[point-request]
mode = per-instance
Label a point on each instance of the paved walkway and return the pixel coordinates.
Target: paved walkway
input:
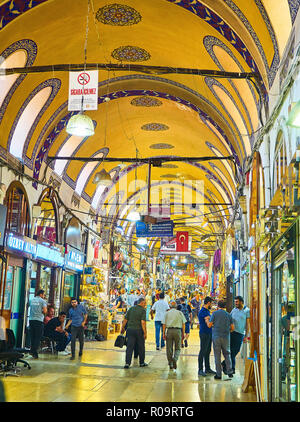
(99, 377)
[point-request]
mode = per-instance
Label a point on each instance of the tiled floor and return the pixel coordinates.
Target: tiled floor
(99, 377)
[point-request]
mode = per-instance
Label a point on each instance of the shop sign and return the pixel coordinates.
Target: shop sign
(170, 246)
(74, 259)
(33, 250)
(164, 229)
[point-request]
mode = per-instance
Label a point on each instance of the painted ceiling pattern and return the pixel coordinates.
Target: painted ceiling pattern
(190, 115)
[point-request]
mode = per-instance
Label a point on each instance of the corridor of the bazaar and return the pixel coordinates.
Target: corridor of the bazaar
(149, 206)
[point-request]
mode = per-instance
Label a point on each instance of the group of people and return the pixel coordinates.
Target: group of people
(174, 317)
(43, 323)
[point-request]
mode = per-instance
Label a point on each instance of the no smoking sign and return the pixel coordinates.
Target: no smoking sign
(83, 78)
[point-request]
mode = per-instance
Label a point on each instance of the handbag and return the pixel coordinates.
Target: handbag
(120, 341)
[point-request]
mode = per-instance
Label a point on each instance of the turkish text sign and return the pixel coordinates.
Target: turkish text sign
(83, 89)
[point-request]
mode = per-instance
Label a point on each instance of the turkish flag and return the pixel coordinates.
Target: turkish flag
(182, 241)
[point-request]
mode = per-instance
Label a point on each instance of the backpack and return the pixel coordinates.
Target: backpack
(185, 311)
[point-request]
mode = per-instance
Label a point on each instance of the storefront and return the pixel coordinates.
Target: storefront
(282, 308)
(16, 220)
(23, 282)
(73, 269)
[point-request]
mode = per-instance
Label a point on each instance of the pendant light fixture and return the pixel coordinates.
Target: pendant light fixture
(102, 178)
(80, 124)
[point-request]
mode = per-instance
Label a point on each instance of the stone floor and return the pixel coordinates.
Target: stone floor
(99, 377)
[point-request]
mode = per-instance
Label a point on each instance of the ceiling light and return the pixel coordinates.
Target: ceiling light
(142, 241)
(294, 115)
(134, 216)
(199, 252)
(102, 178)
(80, 125)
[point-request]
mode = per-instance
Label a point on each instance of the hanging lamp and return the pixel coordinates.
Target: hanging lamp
(80, 125)
(102, 178)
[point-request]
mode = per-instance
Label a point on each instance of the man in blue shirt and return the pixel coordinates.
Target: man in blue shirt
(78, 317)
(205, 334)
(222, 324)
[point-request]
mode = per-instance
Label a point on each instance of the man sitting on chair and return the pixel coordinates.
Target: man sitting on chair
(55, 331)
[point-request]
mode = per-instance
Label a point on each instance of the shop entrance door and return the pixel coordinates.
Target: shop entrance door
(17, 308)
(283, 368)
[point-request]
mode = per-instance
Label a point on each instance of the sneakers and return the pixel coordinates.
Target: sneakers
(63, 353)
(210, 371)
(202, 373)
(216, 377)
(185, 343)
(126, 366)
(143, 364)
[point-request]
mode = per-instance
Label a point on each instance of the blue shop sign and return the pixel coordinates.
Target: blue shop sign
(33, 250)
(164, 229)
(74, 259)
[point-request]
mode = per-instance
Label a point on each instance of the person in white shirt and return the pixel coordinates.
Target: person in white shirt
(174, 321)
(167, 297)
(160, 308)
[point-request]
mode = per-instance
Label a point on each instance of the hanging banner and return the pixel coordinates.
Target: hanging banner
(169, 247)
(83, 84)
(182, 240)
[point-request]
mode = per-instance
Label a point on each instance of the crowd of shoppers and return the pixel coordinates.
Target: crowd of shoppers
(174, 314)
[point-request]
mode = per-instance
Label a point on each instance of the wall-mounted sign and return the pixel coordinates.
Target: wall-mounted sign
(74, 259)
(164, 229)
(34, 250)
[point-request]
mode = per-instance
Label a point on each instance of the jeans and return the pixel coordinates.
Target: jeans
(77, 332)
(205, 349)
(135, 337)
(61, 340)
(173, 342)
(159, 330)
(236, 340)
(221, 344)
(36, 333)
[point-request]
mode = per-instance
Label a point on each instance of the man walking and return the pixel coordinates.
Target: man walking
(136, 332)
(241, 317)
(205, 334)
(195, 305)
(38, 310)
(78, 318)
(222, 324)
(160, 308)
(187, 312)
(174, 321)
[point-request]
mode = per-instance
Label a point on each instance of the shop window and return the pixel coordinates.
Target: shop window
(45, 225)
(17, 219)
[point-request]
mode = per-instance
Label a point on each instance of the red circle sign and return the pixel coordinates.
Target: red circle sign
(83, 78)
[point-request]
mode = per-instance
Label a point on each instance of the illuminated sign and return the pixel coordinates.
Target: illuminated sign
(74, 259)
(34, 250)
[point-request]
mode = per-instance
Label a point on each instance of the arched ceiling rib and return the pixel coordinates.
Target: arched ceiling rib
(201, 116)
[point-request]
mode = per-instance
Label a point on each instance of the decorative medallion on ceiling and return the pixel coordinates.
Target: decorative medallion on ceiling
(146, 101)
(130, 53)
(161, 146)
(118, 15)
(155, 126)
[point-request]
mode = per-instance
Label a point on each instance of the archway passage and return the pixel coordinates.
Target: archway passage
(147, 116)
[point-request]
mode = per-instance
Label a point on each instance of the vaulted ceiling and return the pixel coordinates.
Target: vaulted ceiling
(148, 115)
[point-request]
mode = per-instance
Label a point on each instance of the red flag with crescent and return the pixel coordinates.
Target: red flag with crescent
(182, 241)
